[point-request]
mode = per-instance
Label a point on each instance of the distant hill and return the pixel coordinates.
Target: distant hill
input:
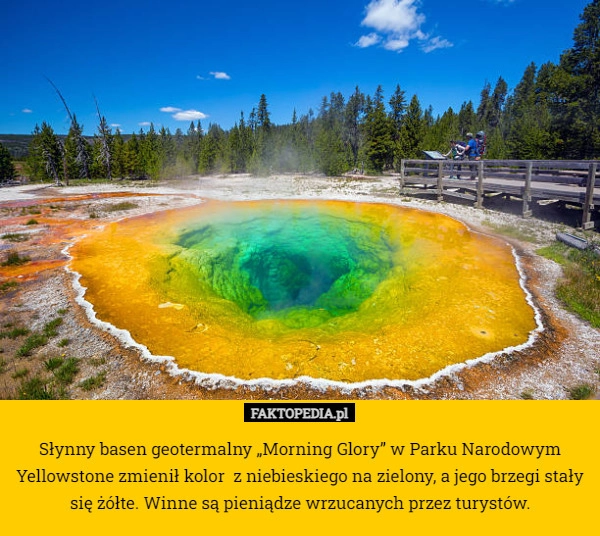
(17, 144)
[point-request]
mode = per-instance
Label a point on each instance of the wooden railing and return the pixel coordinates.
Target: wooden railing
(529, 180)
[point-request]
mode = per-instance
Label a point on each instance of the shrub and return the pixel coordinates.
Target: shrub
(93, 382)
(67, 371)
(15, 237)
(579, 289)
(35, 340)
(14, 259)
(50, 329)
(14, 333)
(36, 389)
(581, 392)
(53, 363)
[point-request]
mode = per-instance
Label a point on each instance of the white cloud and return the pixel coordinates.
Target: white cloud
(435, 43)
(183, 115)
(396, 24)
(145, 124)
(198, 77)
(396, 44)
(399, 17)
(115, 125)
(189, 115)
(220, 75)
(368, 40)
(27, 111)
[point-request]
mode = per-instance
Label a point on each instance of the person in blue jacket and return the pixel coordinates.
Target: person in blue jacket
(472, 152)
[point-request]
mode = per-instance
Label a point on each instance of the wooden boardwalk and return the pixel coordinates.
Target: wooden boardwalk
(530, 181)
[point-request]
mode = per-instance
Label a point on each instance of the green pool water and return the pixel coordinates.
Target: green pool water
(299, 267)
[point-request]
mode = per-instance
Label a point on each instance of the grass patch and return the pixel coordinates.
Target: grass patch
(512, 231)
(16, 237)
(527, 394)
(581, 392)
(93, 382)
(2, 366)
(97, 361)
(62, 312)
(63, 342)
(67, 370)
(31, 210)
(21, 373)
(14, 333)
(123, 205)
(36, 389)
(8, 285)
(579, 288)
(53, 363)
(14, 259)
(51, 328)
(35, 340)
(32, 221)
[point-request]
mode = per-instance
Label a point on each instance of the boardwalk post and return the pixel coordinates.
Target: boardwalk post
(479, 202)
(527, 190)
(588, 205)
(402, 173)
(440, 184)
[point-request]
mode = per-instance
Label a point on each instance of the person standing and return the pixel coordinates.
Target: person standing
(472, 152)
(456, 152)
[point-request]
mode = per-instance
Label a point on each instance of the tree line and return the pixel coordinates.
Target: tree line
(552, 113)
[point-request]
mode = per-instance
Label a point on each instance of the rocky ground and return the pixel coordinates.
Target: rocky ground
(39, 223)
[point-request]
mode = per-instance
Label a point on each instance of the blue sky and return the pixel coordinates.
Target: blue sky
(171, 62)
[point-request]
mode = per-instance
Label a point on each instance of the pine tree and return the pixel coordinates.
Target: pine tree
(498, 100)
(151, 155)
(77, 153)
(191, 148)
(104, 140)
(263, 155)
(35, 161)
(263, 116)
(467, 120)
(51, 153)
(353, 120)
(397, 110)
(577, 88)
(484, 110)
(211, 150)
(529, 135)
(167, 147)
(118, 155)
(409, 142)
(378, 139)
(7, 167)
(132, 163)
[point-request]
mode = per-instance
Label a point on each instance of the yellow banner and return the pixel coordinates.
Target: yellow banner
(148, 467)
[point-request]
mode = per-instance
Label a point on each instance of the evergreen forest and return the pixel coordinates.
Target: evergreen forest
(552, 113)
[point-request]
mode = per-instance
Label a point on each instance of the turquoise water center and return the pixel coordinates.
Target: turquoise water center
(342, 291)
(300, 267)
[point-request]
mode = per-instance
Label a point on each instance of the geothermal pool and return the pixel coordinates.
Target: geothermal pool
(327, 290)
